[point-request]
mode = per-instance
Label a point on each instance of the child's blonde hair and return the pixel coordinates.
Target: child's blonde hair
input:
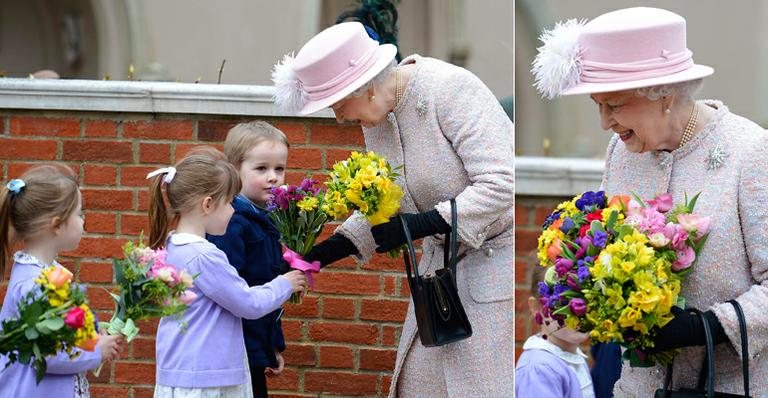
(49, 191)
(203, 172)
(244, 136)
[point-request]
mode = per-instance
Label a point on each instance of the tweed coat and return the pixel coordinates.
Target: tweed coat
(725, 161)
(455, 141)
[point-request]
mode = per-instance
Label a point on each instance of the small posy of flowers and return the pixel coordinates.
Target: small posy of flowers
(53, 317)
(363, 182)
(297, 213)
(148, 287)
(615, 267)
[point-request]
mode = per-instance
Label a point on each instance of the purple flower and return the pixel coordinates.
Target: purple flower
(577, 306)
(551, 218)
(582, 272)
(562, 266)
(543, 289)
(538, 318)
(572, 281)
(567, 225)
(280, 197)
(307, 184)
(584, 242)
(599, 239)
(591, 200)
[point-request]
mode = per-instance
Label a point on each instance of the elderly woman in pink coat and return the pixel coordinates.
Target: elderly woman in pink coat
(636, 67)
(455, 141)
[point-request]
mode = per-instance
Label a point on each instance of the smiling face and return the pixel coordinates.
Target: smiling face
(640, 123)
(262, 169)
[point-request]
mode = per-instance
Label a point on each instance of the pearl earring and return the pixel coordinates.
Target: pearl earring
(667, 111)
(371, 98)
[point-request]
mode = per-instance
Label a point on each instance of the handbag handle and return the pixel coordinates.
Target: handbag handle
(450, 244)
(710, 357)
(407, 255)
(449, 260)
(744, 344)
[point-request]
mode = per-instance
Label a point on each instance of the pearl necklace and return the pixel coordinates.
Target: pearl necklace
(690, 126)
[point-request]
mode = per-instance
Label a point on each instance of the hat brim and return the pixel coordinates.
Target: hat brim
(385, 53)
(692, 73)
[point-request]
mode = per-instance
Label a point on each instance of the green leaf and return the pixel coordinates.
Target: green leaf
(692, 204)
(31, 333)
(640, 201)
(51, 323)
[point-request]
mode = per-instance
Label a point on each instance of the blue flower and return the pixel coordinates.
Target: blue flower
(590, 200)
(600, 238)
(568, 224)
(551, 218)
(583, 273)
(543, 289)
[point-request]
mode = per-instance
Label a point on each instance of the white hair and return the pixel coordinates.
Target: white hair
(683, 89)
(377, 80)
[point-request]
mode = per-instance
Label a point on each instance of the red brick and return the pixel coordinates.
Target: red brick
(104, 376)
(135, 176)
(541, 213)
(335, 155)
(377, 359)
(107, 151)
(336, 357)
(291, 329)
(390, 335)
(521, 215)
(526, 241)
(107, 199)
(16, 169)
(383, 310)
(213, 130)
(98, 298)
(183, 149)
(46, 127)
(287, 380)
(383, 262)
(159, 129)
(521, 299)
(340, 383)
(20, 149)
(135, 373)
(522, 327)
(300, 354)
(155, 153)
(296, 132)
(386, 381)
(98, 248)
(390, 285)
(142, 348)
(96, 222)
(337, 135)
(521, 271)
(301, 158)
(307, 308)
(99, 174)
(143, 202)
(100, 128)
(148, 327)
(95, 272)
(343, 332)
(106, 391)
(338, 308)
(347, 283)
(133, 224)
(4, 287)
(143, 392)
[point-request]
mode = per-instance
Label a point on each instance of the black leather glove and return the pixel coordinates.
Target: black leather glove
(686, 329)
(333, 249)
(390, 235)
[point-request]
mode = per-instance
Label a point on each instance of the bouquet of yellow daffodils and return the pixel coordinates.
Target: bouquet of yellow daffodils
(53, 317)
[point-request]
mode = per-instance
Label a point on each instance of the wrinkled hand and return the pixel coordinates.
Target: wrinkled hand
(333, 249)
(686, 329)
(280, 366)
(390, 235)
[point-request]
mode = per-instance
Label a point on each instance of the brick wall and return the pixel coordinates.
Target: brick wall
(341, 340)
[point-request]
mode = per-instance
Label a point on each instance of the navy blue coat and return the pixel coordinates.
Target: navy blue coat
(252, 245)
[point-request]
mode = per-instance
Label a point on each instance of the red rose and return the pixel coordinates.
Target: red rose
(75, 318)
(596, 215)
(583, 230)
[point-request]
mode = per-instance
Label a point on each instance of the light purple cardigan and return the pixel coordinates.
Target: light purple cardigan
(211, 351)
(18, 380)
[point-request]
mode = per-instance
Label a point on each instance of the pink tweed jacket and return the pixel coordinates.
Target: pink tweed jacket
(455, 141)
(726, 163)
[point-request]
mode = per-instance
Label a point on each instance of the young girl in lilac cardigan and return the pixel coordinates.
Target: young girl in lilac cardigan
(199, 191)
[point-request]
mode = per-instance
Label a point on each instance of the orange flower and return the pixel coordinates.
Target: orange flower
(89, 344)
(555, 249)
(59, 276)
(557, 224)
(619, 200)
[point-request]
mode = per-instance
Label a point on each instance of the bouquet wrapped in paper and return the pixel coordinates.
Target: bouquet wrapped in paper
(366, 183)
(615, 267)
(297, 214)
(53, 317)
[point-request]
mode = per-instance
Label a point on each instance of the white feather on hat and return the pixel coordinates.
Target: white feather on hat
(289, 94)
(557, 66)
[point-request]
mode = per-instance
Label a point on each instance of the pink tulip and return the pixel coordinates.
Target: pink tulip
(694, 223)
(662, 203)
(75, 318)
(685, 258)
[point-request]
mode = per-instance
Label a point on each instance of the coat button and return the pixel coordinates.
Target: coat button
(488, 252)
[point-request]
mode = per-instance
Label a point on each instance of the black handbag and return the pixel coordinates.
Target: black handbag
(706, 385)
(440, 317)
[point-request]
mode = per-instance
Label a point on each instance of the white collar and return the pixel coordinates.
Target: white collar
(183, 238)
(536, 342)
(23, 257)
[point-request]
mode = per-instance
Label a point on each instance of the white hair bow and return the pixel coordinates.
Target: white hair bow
(170, 172)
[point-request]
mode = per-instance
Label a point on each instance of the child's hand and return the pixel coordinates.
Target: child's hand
(280, 366)
(298, 280)
(110, 346)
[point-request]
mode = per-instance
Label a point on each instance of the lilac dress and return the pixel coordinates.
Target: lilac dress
(545, 370)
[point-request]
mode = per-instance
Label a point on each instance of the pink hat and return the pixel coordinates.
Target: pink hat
(621, 50)
(332, 65)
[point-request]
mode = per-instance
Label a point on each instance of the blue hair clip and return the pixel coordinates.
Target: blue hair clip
(372, 33)
(15, 186)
